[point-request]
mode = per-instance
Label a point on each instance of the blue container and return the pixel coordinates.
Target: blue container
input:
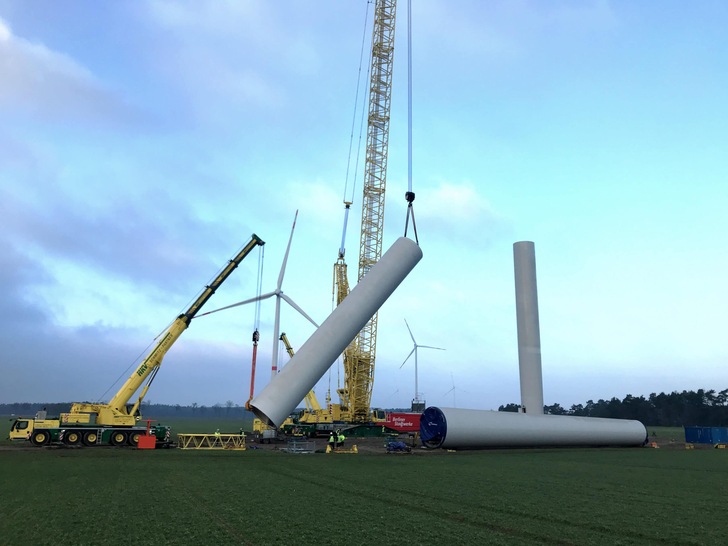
(706, 435)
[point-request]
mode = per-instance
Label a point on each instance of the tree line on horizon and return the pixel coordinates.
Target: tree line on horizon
(676, 409)
(228, 410)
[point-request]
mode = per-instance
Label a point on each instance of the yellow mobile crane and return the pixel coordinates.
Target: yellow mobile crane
(359, 357)
(113, 423)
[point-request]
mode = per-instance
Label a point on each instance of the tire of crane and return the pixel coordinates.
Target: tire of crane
(90, 438)
(72, 438)
(40, 437)
(133, 439)
(118, 438)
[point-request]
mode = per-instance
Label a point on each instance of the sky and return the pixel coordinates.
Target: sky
(142, 143)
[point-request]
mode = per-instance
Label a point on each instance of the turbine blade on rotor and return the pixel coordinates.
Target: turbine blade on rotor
(285, 256)
(410, 332)
(293, 304)
(409, 355)
(430, 347)
(244, 302)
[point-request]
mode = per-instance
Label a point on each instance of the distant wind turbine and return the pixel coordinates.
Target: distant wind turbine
(453, 391)
(414, 351)
(278, 293)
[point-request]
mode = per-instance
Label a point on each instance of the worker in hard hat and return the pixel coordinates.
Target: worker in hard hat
(340, 437)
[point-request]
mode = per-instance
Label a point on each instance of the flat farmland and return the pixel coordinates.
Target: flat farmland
(556, 496)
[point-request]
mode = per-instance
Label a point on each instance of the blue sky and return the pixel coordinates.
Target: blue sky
(143, 142)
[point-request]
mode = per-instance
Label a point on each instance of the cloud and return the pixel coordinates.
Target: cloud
(50, 86)
(458, 211)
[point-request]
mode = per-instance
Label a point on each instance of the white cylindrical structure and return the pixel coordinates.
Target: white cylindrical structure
(286, 390)
(529, 336)
(453, 428)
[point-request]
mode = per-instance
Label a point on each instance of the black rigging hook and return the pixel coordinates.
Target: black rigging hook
(410, 197)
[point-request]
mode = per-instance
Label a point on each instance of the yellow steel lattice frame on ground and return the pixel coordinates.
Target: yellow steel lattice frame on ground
(330, 449)
(211, 441)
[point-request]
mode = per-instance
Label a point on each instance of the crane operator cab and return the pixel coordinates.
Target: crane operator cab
(21, 429)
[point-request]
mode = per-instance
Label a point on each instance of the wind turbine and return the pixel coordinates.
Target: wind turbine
(416, 402)
(453, 391)
(278, 293)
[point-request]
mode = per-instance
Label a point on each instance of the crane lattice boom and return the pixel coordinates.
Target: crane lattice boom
(359, 367)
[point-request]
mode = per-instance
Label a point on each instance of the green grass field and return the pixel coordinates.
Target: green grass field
(560, 496)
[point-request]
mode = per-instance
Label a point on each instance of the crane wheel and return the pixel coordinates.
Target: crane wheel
(133, 439)
(40, 437)
(90, 438)
(72, 438)
(118, 438)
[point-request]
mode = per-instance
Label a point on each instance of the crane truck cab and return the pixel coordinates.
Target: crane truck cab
(21, 429)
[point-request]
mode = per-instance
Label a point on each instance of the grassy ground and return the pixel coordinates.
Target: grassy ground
(562, 496)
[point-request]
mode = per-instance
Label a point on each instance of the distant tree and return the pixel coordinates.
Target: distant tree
(510, 407)
(194, 408)
(228, 405)
(554, 409)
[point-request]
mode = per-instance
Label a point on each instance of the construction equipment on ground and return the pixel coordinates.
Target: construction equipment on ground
(309, 422)
(313, 420)
(216, 441)
(114, 423)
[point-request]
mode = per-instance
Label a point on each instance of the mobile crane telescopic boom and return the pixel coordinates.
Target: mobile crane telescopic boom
(116, 412)
(113, 423)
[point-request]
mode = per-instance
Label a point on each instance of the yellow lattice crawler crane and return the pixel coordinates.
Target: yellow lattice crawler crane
(114, 422)
(359, 357)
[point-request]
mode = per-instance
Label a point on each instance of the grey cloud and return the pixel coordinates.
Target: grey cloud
(45, 85)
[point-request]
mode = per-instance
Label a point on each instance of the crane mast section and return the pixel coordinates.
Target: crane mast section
(380, 98)
(360, 375)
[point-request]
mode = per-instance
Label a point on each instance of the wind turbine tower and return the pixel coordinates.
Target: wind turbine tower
(418, 404)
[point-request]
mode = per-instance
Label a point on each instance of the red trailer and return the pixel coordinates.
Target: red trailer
(403, 422)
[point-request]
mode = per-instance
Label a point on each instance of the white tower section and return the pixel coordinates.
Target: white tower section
(529, 336)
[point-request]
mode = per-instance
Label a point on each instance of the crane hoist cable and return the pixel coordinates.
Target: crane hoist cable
(354, 116)
(349, 196)
(145, 351)
(256, 326)
(409, 195)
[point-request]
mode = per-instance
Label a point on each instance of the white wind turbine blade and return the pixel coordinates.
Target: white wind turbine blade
(285, 257)
(409, 355)
(293, 304)
(410, 332)
(430, 347)
(279, 294)
(244, 302)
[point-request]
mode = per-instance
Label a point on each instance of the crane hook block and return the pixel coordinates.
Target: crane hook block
(256, 336)
(409, 196)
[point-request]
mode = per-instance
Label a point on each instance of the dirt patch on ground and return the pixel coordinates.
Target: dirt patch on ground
(375, 445)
